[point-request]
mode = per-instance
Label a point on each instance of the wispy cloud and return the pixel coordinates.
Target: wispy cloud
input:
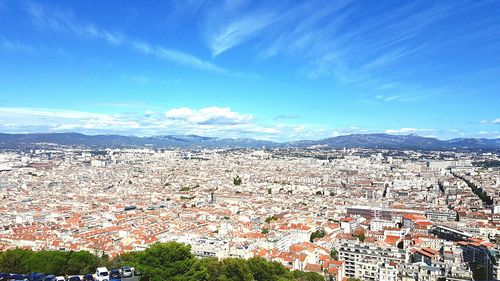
(16, 46)
(176, 57)
(401, 98)
(237, 31)
(382, 48)
(494, 121)
(65, 22)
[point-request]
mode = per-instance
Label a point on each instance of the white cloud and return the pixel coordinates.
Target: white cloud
(179, 113)
(348, 131)
(42, 119)
(408, 131)
(209, 121)
(149, 113)
(209, 116)
(494, 121)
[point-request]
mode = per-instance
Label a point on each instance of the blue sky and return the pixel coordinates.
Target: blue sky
(276, 70)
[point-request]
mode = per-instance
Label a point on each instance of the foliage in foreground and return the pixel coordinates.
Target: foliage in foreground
(174, 261)
(161, 261)
(53, 262)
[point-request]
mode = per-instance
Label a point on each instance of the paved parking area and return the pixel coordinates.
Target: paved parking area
(133, 278)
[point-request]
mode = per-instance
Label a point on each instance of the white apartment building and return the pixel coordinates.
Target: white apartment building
(355, 256)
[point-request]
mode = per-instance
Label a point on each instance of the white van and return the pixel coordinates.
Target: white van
(102, 274)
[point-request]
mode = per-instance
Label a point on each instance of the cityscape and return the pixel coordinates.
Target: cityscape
(374, 214)
(241, 140)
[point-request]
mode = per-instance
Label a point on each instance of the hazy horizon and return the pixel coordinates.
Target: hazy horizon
(257, 139)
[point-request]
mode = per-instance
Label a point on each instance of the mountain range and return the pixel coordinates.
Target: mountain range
(379, 140)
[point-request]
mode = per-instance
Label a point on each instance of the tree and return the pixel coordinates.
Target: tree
(262, 270)
(361, 237)
(169, 260)
(269, 191)
(50, 262)
(271, 218)
(174, 261)
(212, 268)
(161, 261)
(265, 231)
(320, 233)
(303, 276)
(235, 270)
(237, 180)
(334, 254)
(81, 262)
(15, 261)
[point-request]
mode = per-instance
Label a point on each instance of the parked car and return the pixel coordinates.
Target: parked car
(126, 271)
(114, 275)
(88, 277)
(60, 278)
(74, 278)
(136, 273)
(4, 276)
(34, 276)
(50, 278)
(17, 277)
(102, 274)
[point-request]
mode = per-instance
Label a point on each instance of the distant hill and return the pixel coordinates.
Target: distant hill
(23, 141)
(402, 141)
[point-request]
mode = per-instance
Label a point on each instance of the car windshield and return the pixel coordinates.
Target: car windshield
(103, 274)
